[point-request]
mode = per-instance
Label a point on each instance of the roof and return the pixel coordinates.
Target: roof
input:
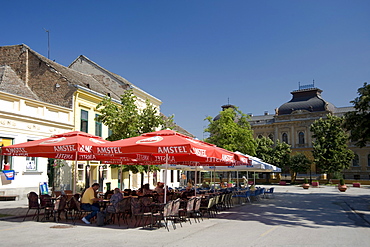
(117, 84)
(11, 83)
(306, 100)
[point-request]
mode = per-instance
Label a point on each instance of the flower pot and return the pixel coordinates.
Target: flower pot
(342, 188)
(306, 186)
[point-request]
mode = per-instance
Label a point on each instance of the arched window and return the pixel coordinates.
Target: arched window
(271, 136)
(284, 137)
(356, 160)
(301, 138)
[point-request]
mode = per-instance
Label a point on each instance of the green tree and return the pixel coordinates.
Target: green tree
(281, 154)
(330, 150)
(298, 163)
(358, 121)
(125, 120)
(231, 131)
(265, 148)
(277, 154)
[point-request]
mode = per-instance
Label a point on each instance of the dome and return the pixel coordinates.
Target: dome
(223, 108)
(306, 100)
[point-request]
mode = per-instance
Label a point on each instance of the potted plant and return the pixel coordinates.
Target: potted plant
(305, 185)
(342, 186)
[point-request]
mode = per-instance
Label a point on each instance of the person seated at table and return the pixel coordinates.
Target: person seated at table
(190, 183)
(187, 193)
(89, 202)
(146, 190)
(108, 194)
(127, 192)
(160, 188)
(205, 185)
(116, 197)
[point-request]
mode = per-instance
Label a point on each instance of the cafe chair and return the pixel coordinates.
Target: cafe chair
(33, 203)
(122, 210)
(60, 207)
(269, 193)
(79, 213)
(209, 209)
(140, 209)
(47, 204)
(174, 215)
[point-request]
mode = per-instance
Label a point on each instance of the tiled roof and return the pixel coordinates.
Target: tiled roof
(77, 78)
(11, 83)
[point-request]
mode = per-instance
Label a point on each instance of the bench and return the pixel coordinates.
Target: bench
(8, 197)
(356, 185)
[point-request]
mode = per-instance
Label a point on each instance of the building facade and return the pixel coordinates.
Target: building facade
(39, 98)
(291, 124)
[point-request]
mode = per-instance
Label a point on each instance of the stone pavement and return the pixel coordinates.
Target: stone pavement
(357, 200)
(294, 217)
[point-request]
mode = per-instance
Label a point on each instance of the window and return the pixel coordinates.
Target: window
(356, 160)
(103, 171)
(84, 120)
(80, 172)
(5, 159)
(271, 136)
(172, 178)
(31, 163)
(110, 132)
(285, 137)
(368, 160)
(301, 138)
(98, 127)
(356, 177)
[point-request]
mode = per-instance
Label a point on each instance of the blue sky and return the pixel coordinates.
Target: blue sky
(196, 55)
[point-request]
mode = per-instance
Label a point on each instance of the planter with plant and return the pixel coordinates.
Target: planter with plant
(305, 185)
(342, 186)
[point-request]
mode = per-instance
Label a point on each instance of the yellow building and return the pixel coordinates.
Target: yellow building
(49, 98)
(291, 124)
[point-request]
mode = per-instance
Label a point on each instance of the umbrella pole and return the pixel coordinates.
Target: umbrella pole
(121, 177)
(75, 176)
(214, 178)
(165, 180)
(237, 180)
(195, 184)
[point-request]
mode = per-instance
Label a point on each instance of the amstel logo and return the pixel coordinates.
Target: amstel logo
(153, 139)
(97, 141)
(56, 140)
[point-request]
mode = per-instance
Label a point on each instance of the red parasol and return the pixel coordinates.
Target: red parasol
(74, 145)
(166, 147)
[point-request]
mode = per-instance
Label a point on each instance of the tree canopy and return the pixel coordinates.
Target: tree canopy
(330, 150)
(299, 163)
(126, 120)
(231, 131)
(274, 153)
(358, 121)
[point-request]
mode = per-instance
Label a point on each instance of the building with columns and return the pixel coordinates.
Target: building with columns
(291, 124)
